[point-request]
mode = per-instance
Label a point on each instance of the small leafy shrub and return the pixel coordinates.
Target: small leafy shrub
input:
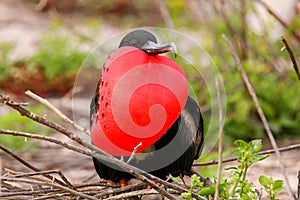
(53, 66)
(236, 185)
(272, 187)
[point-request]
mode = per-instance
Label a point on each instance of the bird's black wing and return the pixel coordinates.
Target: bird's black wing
(186, 139)
(93, 108)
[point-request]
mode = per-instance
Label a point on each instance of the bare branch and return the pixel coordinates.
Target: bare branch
(121, 190)
(215, 162)
(260, 113)
(45, 138)
(298, 185)
(35, 182)
(133, 194)
(30, 166)
(134, 151)
(57, 111)
(283, 23)
(165, 13)
(43, 173)
(98, 153)
(220, 154)
(291, 54)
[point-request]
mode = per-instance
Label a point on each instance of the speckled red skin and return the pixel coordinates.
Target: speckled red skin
(126, 68)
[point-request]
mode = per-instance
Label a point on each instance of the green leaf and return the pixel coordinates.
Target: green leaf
(265, 181)
(277, 186)
(257, 145)
(176, 179)
(207, 190)
(240, 143)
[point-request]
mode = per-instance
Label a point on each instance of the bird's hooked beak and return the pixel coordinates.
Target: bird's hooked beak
(152, 48)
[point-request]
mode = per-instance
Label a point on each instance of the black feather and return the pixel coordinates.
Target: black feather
(185, 136)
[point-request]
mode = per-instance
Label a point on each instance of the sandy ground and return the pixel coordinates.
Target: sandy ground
(22, 25)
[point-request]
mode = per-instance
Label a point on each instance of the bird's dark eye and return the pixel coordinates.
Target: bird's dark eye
(133, 42)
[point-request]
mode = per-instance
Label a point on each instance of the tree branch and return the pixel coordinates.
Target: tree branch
(30, 166)
(57, 111)
(283, 23)
(35, 182)
(98, 153)
(291, 54)
(220, 148)
(260, 113)
(269, 151)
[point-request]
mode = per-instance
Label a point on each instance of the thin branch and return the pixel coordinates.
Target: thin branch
(45, 138)
(283, 23)
(69, 190)
(120, 190)
(45, 172)
(220, 154)
(165, 13)
(260, 113)
(298, 185)
(107, 159)
(28, 192)
(98, 153)
(133, 194)
(244, 43)
(57, 111)
(30, 166)
(101, 182)
(291, 54)
(51, 196)
(134, 151)
(269, 151)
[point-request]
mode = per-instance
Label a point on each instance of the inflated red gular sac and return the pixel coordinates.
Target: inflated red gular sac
(139, 101)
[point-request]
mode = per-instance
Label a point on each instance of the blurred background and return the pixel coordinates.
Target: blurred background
(43, 43)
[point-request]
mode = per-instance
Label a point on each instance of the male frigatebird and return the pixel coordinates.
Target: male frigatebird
(142, 103)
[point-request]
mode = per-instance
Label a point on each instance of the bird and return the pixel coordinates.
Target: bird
(178, 144)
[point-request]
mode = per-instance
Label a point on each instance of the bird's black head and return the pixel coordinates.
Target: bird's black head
(137, 38)
(147, 42)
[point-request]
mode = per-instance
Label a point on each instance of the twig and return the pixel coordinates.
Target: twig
(108, 159)
(121, 190)
(71, 191)
(45, 172)
(57, 111)
(102, 182)
(283, 23)
(134, 151)
(165, 13)
(269, 151)
(30, 166)
(98, 153)
(260, 113)
(244, 25)
(298, 185)
(51, 196)
(28, 192)
(220, 154)
(45, 138)
(291, 54)
(133, 194)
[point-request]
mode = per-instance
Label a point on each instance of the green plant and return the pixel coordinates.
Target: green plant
(272, 187)
(246, 155)
(5, 64)
(236, 185)
(13, 121)
(195, 183)
(57, 55)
